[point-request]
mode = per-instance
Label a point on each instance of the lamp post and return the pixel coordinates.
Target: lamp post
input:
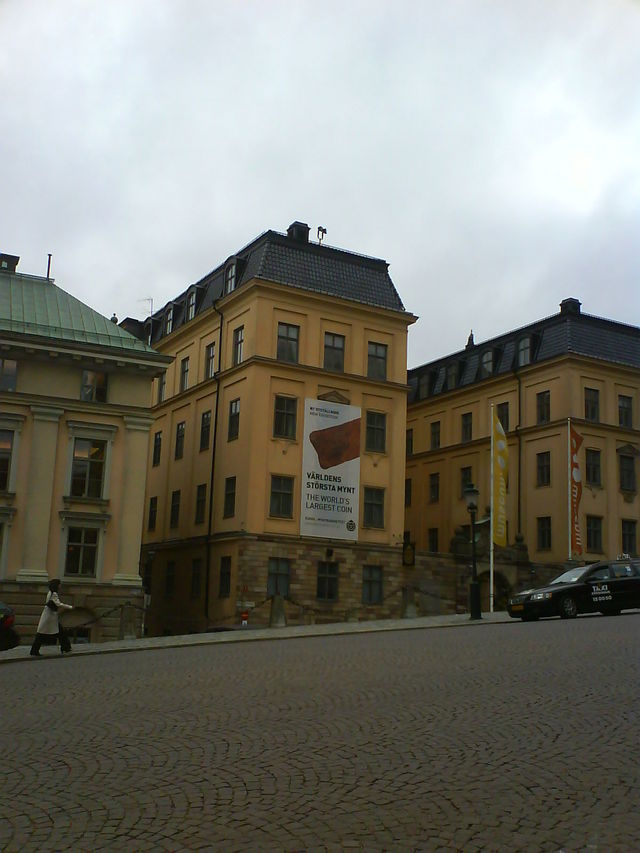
(471, 497)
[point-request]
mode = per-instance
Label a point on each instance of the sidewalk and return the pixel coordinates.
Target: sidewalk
(243, 635)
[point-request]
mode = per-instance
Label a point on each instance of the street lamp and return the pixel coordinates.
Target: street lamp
(471, 497)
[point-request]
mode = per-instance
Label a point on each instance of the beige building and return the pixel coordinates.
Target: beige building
(75, 393)
(570, 365)
(282, 332)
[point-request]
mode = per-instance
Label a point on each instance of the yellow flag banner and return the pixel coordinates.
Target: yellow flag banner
(576, 492)
(500, 473)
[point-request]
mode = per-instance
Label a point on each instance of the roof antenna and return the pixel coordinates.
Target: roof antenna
(49, 267)
(321, 234)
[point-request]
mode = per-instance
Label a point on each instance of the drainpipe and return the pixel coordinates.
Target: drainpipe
(213, 458)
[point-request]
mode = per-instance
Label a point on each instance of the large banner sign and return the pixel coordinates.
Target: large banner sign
(576, 491)
(330, 470)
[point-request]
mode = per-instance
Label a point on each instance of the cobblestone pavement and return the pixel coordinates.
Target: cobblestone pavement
(504, 737)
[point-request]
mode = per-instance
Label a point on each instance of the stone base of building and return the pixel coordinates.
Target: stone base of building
(102, 612)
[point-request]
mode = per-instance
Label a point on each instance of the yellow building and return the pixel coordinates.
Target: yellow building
(567, 366)
(75, 394)
(282, 341)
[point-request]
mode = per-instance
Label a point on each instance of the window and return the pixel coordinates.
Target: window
(407, 492)
(201, 502)
(466, 427)
(229, 497)
(162, 386)
(184, 374)
(629, 537)
(224, 589)
(196, 577)
(466, 477)
(543, 468)
(174, 517)
(435, 435)
(170, 579)
(230, 278)
(544, 533)
(238, 341)
(288, 339)
(432, 536)
(524, 351)
(82, 551)
(327, 586)
(87, 471)
(627, 473)
(424, 382)
(503, 415)
(153, 512)
(209, 361)
(376, 436)
(6, 448)
(191, 305)
(180, 430)
(284, 418)
(8, 374)
(278, 576)
(593, 473)
(376, 360)
(372, 584)
(592, 405)
(205, 430)
(373, 507)
(486, 363)
(157, 448)
(168, 321)
(94, 387)
(234, 419)
(452, 376)
(434, 488)
(333, 352)
(594, 534)
(409, 442)
(625, 414)
(281, 502)
(543, 407)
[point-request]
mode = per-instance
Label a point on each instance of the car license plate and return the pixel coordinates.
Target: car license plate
(517, 606)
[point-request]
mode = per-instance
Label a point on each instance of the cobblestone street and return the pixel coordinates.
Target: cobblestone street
(501, 737)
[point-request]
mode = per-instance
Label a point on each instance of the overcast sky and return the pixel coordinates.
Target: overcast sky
(489, 151)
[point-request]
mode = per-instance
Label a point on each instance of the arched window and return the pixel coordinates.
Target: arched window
(487, 363)
(524, 351)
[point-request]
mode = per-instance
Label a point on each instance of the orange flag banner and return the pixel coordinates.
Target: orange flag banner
(500, 473)
(576, 492)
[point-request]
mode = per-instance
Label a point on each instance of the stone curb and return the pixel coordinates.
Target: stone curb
(21, 653)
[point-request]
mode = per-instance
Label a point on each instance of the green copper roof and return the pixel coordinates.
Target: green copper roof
(31, 305)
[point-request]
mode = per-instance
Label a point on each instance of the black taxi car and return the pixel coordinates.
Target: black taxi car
(607, 587)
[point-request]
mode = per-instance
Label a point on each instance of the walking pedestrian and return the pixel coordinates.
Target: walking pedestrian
(49, 625)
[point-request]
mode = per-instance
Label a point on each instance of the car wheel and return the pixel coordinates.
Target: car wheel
(568, 607)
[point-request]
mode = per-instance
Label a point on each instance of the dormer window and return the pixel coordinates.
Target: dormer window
(486, 363)
(452, 376)
(168, 321)
(524, 351)
(191, 305)
(230, 278)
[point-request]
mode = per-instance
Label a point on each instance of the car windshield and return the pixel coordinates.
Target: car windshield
(571, 576)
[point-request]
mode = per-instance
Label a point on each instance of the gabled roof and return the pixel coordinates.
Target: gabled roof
(570, 332)
(32, 305)
(292, 261)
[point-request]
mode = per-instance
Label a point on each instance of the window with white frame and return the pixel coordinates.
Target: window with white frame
(230, 278)
(238, 343)
(87, 469)
(82, 551)
(209, 361)
(168, 321)
(191, 305)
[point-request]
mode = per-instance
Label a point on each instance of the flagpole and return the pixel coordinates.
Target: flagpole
(491, 521)
(569, 519)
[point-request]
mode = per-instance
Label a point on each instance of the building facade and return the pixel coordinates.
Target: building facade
(75, 394)
(282, 332)
(568, 366)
